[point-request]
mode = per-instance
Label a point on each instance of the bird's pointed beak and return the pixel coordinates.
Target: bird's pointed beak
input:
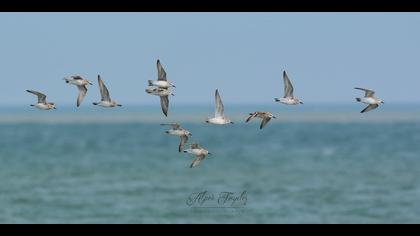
(274, 117)
(383, 102)
(119, 105)
(301, 102)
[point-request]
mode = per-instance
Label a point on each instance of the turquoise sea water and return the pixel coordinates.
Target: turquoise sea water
(326, 165)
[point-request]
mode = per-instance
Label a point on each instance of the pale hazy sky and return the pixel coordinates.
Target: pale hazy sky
(243, 54)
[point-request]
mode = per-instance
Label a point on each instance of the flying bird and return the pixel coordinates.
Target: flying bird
(161, 88)
(369, 99)
(81, 85)
(105, 98)
(164, 97)
(219, 117)
(177, 130)
(161, 82)
(288, 98)
(42, 101)
(265, 116)
(199, 153)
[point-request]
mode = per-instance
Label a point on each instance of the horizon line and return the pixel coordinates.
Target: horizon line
(401, 103)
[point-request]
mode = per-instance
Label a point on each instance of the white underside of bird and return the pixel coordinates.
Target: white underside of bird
(288, 101)
(218, 121)
(196, 152)
(76, 82)
(43, 106)
(177, 132)
(107, 104)
(161, 84)
(369, 101)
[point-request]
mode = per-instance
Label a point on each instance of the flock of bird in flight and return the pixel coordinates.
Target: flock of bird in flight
(162, 88)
